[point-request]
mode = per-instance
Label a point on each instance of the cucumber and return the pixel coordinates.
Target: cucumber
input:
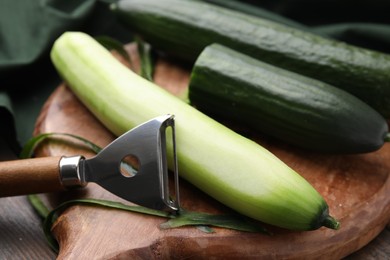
(296, 109)
(185, 28)
(234, 170)
(252, 9)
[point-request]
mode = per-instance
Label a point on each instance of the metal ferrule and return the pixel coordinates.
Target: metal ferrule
(71, 174)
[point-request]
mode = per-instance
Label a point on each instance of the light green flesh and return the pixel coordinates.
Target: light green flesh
(234, 170)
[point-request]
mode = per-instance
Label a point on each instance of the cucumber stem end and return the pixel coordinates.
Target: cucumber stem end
(331, 222)
(387, 137)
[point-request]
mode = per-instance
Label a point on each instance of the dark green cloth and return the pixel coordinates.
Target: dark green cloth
(29, 27)
(7, 131)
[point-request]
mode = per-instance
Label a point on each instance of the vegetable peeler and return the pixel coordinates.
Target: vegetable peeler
(134, 167)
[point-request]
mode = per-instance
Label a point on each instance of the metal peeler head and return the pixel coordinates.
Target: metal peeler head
(135, 165)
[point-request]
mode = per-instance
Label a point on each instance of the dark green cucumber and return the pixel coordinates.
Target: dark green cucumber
(296, 109)
(185, 28)
(252, 9)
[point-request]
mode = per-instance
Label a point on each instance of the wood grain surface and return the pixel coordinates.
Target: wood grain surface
(356, 187)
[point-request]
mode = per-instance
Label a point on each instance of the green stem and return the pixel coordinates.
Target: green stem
(331, 222)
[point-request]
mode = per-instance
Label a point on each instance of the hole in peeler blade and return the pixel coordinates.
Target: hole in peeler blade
(129, 166)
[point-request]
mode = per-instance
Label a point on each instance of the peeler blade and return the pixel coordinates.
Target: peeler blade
(135, 165)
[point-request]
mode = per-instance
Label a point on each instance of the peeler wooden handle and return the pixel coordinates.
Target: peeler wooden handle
(29, 176)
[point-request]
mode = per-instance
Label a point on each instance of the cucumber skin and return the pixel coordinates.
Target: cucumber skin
(185, 28)
(234, 170)
(291, 107)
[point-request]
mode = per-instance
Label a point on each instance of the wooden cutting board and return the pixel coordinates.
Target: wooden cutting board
(356, 187)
